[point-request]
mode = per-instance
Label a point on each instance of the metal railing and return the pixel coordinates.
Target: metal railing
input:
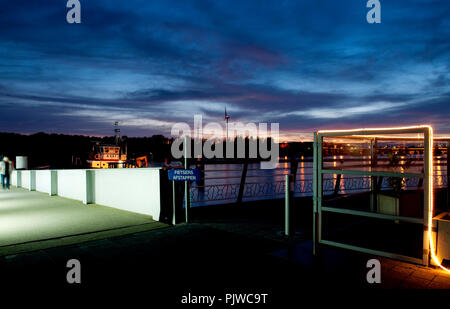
(253, 190)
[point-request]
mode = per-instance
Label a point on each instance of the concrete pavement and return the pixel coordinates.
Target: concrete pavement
(35, 220)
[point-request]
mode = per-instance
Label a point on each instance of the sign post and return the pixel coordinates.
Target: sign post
(174, 219)
(186, 175)
(186, 184)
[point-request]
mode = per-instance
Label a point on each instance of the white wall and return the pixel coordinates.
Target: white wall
(26, 179)
(14, 178)
(72, 184)
(136, 190)
(43, 181)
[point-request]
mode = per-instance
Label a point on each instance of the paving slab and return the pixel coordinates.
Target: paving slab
(32, 220)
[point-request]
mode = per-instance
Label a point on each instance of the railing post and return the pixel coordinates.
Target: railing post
(201, 182)
(294, 167)
(242, 183)
(319, 166)
(420, 183)
(373, 179)
(379, 184)
(315, 189)
(287, 208)
(337, 186)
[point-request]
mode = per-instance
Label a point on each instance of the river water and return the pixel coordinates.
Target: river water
(222, 181)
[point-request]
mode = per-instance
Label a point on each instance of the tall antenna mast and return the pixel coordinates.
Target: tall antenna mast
(226, 119)
(116, 132)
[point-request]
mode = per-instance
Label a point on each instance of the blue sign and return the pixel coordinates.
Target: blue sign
(184, 175)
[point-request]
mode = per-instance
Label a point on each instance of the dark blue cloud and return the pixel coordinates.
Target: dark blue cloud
(305, 64)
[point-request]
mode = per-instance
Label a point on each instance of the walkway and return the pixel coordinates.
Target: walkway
(34, 220)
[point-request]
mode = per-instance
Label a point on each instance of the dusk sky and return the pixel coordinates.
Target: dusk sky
(308, 65)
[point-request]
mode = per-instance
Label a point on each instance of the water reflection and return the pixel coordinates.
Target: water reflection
(222, 180)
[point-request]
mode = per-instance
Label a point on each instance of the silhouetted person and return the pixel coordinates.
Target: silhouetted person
(5, 172)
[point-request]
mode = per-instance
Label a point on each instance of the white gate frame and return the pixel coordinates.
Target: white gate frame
(427, 176)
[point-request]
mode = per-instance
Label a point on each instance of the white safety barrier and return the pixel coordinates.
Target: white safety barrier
(44, 183)
(136, 190)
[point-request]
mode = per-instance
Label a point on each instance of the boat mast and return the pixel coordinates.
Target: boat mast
(116, 133)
